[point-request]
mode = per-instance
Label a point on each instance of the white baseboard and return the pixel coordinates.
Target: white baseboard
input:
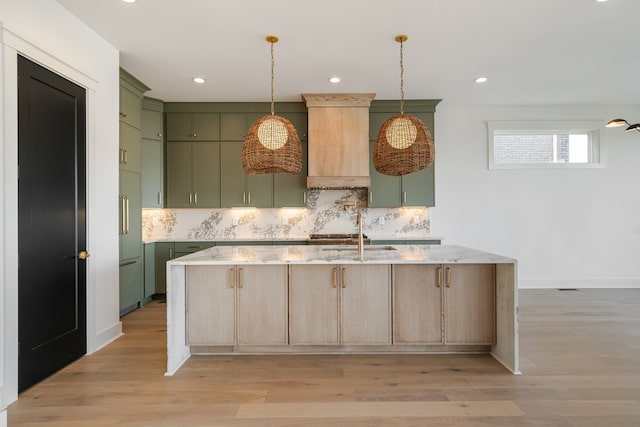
(3, 418)
(605, 283)
(105, 337)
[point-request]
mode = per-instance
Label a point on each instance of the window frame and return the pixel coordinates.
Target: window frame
(593, 128)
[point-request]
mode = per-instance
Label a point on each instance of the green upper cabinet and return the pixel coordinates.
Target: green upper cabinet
(193, 175)
(130, 107)
(152, 154)
(235, 126)
(130, 148)
(239, 189)
(414, 189)
(193, 126)
(291, 190)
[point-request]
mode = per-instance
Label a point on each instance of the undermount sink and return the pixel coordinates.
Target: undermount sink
(355, 248)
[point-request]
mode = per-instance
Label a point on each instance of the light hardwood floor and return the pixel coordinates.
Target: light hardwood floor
(580, 357)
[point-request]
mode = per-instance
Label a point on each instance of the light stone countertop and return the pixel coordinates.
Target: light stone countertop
(348, 254)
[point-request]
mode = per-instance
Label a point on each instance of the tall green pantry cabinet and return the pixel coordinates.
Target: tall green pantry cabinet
(130, 189)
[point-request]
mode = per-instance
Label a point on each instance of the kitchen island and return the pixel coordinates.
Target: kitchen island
(326, 299)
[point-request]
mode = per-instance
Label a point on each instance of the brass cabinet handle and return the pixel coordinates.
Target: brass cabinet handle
(304, 197)
(121, 231)
(448, 277)
(170, 253)
(404, 197)
(240, 278)
(195, 198)
(344, 278)
(334, 284)
(190, 198)
(84, 255)
(244, 197)
(160, 198)
(126, 201)
(439, 277)
(248, 197)
(370, 196)
(122, 114)
(125, 157)
(231, 277)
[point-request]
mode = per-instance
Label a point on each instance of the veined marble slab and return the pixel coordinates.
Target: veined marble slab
(347, 254)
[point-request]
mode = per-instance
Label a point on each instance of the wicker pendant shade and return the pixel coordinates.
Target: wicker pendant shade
(404, 144)
(272, 144)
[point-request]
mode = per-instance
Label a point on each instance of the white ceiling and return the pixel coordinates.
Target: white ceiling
(532, 51)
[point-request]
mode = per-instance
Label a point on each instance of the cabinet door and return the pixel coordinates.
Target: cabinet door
(385, 191)
(152, 174)
(365, 304)
(152, 125)
(130, 216)
(149, 279)
(179, 126)
(291, 190)
(130, 284)
(260, 190)
(299, 121)
(233, 126)
(130, 107)
(233, 185)
(179, 174)
(262, 305)
(206, 175)
(418, 188)
(130, 148)
(206, 127)
(164, 251)
(417, 304)
(210, 305)
(469, 314)
(313, 304)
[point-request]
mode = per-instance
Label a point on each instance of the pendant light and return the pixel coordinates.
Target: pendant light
(404, 144)
(272, 143)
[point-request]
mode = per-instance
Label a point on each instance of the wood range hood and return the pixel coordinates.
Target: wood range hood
(338, 139)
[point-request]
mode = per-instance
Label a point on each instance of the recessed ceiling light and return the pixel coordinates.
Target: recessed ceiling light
(129, 1)
(199, 80)
(480, 79)
(601, 1)
(334, 79)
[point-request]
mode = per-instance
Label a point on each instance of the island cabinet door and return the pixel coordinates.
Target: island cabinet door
(262, 304)
(417, 304)
(365, 304)
(210, 305)
(313, 304)
(469, 301)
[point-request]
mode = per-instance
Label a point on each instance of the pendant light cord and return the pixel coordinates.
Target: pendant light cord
(272, 78)
(401, 81)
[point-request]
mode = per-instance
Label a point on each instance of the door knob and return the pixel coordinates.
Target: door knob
(84, 255)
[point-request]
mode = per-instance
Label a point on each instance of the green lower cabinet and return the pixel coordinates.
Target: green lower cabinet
(149, 270)
(131, 291)
(237, 189)
(164, 251)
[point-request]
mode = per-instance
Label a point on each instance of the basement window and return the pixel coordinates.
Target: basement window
(543, 144)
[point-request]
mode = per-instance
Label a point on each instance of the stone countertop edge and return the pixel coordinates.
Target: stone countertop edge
(289, 239)
(400, 254)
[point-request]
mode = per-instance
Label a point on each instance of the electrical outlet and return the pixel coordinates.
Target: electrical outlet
(234, 220)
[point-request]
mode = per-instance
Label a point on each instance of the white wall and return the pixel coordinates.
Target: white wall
(567, 228)
(46, 33)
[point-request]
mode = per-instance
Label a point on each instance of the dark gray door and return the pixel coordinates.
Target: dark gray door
(51, 223)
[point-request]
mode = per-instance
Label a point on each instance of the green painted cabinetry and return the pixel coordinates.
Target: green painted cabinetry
(238, 189)
(130, 192)
(193, 174)
(190, 126)
(152, 166)
(414, 189)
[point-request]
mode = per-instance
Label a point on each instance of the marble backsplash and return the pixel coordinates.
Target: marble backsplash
(327, 211)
